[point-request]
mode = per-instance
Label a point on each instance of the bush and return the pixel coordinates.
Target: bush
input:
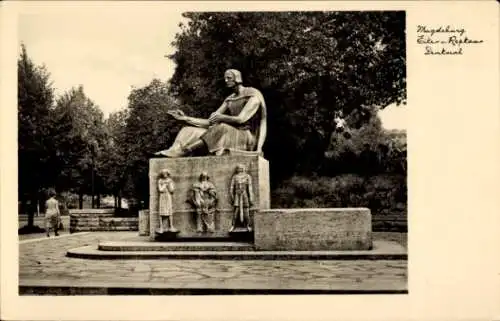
(68, 199)
(126, 212)
(383, 194)
(369, 152)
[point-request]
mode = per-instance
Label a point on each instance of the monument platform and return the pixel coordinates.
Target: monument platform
(382, 250)
(62, 275)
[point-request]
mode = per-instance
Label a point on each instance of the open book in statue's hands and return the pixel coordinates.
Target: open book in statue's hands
(234, 152)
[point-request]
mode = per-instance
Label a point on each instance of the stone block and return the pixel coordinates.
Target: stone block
(186, 171)
(100, 220)
(93, 211)
(314, 229)
(144, 222)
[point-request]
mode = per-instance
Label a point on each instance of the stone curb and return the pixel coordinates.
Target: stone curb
(53, 287)
(69, 290)
(45, 238)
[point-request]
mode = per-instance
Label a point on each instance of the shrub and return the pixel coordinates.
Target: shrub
(383, 194)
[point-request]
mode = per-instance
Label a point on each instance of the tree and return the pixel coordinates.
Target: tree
(35, 97)
(80, 137)
(114, 161)
(309, 65)
(355, 150)
(148, 130)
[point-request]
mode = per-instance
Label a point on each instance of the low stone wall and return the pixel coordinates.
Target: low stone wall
(390, 223)
(100, 220)
(313, 229)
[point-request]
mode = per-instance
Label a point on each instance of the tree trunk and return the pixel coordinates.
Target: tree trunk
(92, 187)
(24, 206)
(80, 200)
(98, 202)
(116, 200)
(31, 210)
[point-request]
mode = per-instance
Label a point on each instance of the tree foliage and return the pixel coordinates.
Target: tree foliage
(60, 143)
(307, 64)
(148, 129)
(35, 98)
(114, 162)
(80, 138)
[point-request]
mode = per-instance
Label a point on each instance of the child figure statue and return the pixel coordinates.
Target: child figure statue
(241, 198)
(165, 190)
(204, 199)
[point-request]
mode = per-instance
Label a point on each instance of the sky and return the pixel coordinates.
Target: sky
(109, 50)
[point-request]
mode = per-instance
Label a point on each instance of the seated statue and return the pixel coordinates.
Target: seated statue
(239, 124)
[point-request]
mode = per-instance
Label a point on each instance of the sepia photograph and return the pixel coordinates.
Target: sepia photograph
(213, 153)
(321, 161)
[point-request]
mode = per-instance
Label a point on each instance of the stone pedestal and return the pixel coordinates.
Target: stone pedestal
(313, 229)
(186, 171)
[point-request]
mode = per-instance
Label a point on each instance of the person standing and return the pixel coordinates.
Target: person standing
(52, 214)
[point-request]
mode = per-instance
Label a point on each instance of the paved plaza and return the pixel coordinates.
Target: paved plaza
(44, 265)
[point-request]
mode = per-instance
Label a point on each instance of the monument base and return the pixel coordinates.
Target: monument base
(239, 230)
(185, 172)
(166, 235)
(241, 234)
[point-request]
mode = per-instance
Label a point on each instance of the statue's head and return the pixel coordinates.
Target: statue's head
(204, 176)
(164, 173)
(240, 168)
(232, 77)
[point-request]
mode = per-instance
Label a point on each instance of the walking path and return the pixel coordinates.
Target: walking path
(43, 263)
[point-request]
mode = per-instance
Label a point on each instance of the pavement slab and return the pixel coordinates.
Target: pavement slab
(44, 268)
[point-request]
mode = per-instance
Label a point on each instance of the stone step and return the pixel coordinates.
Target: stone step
(174, 246)
(206, 237)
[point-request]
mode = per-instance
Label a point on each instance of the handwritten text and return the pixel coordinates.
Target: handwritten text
(444, 40)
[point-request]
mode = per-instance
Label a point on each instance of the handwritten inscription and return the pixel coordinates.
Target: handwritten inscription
(444, 40)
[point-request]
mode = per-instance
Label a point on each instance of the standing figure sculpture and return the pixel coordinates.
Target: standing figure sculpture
(204, 199)
(165, 191)
(238, 124)
(241, 193)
